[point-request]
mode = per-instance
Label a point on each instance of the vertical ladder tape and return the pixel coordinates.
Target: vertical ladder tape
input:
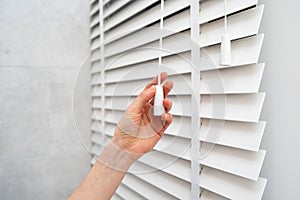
(161, 25)
(159, 94)
(102, 66)
(195, 83)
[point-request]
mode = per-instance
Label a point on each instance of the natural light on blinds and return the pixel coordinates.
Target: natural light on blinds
(211, 150)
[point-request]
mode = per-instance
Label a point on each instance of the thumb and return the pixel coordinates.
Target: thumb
(144, 96)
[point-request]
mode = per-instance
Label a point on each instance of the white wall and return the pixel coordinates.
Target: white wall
(281, 109)
(42, 43)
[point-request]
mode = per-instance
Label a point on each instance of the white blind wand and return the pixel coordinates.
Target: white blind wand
(159, 108)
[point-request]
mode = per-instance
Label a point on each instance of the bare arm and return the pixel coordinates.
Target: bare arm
(137, 133)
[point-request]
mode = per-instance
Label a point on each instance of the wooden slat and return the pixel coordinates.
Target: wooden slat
(175, 146)
(243, 163)
(126, 13)
(170, 184)
(94, 9)
(242, 135)
(236, 107)
(243, 52)
(207, 195)
(174, 65)
(231, 186)
(96, 149)
(239, 25)
(95, 67)
(214, 9)
(133, 88)
(116, 197)
(96, 91)
(94, 21)
(95, 32)
(146, 18)
(96, 126)
(96, 79)
(144, 188)
(127, 193)
(233, 80)
(174, 166)
(114, 7)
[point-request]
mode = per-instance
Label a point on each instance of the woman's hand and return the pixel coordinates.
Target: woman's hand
(139, 130)
(137, 133)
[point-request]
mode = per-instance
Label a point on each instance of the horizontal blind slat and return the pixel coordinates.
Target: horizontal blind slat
(96, 149)
(96, 79)
(242, 135)
(116, 197)
(214, 9)
(95, 21)
(240, 25)
(95, 32)
(207, 195)
(174, 186)
(109, 129)
(246, 164)
(175, 64)
(96, 103)
(245, 79)
(96, 138)
(175, 166)
(96, 126)
(93, 1)
(105, 2)
(126, 13)
(96, 114)
(231, 186)
(133, 88)
(95, 9)
(146, 18)
(175, 146)
(95, 43)
(127, 193)
(95, 57)
(174, 44)
(243, 52)
(114, 7)
(96, 91)
(236, 107)
(144, 188)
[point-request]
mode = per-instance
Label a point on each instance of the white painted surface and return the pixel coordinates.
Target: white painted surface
(281, 81)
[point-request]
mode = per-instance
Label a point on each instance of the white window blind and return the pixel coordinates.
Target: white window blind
(211, 152)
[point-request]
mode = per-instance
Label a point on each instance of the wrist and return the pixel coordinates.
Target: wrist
(117, 158)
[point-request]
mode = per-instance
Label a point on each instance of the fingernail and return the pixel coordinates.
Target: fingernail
(152, 88)
(164, 117)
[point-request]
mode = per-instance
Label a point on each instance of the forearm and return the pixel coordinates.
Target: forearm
(137, 133)
(105, 176)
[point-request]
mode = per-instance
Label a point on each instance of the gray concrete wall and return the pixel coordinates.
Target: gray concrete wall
(281, 108)
(42, 44)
